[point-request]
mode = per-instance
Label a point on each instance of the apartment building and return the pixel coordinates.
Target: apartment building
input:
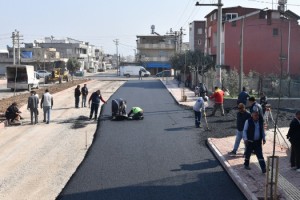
(269, 36)
(197, 35)
(42, 53)
(155, 51)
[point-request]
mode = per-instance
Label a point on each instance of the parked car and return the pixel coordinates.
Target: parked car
(165, 73)
(79, 73)
(42, 73)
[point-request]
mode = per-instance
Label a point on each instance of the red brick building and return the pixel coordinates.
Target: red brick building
(265, 34)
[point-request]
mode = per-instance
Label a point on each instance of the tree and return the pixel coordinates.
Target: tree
(230, 81)
(73, 65)
(196, 60)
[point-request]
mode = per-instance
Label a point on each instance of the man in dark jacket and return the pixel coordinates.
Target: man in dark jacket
(254, 136)
(294, 137)
(243, 96)
(241, 117)
(12, 113)
(77, 94)
(84, 93)
(33, 105)
(263, 101)
(95, 99)
(254, 106)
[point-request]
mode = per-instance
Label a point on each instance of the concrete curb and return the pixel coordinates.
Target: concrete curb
(236, 178)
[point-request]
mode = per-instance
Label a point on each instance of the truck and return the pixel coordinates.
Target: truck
(21, 77)
(133, 71)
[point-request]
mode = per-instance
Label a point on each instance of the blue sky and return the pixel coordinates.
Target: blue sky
(100, 21)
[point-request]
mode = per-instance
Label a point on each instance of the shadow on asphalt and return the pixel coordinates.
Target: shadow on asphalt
(165, 189)
(197, 166)
(180, 128)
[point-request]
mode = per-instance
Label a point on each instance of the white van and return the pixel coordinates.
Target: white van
(21, 77)
(133, 71)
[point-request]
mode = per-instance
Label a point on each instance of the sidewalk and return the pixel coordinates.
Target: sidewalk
(251, 182)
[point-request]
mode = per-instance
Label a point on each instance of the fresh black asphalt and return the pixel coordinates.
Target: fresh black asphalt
(158, 158)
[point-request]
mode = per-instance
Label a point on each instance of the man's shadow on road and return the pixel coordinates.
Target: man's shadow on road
(197, 166)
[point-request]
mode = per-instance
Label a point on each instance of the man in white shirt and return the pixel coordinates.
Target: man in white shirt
(47, 104)
(198, 107)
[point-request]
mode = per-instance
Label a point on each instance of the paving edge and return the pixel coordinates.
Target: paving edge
(236, 178)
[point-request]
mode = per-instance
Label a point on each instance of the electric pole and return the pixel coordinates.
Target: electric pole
(14, 50)
(18, 36)
(180, 39)
(219, 30)
(116, 41)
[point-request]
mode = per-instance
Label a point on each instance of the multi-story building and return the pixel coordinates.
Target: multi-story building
(197, 36)
(268, 36)
(155, 51)
(42, 53)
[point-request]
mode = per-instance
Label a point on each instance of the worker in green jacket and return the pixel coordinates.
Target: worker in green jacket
(136, 112)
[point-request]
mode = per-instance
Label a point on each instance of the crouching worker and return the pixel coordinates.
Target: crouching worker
(13, 114)
(118, 109)
(136, 112)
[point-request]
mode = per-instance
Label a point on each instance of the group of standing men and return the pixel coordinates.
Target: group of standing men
(250, 128)
(46, 105)
(94, 100)
(13, 114)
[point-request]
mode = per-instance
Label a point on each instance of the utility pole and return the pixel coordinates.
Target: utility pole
(116, 41)
(219, 30)
(18, 43)
(14, 50)
(180, 39)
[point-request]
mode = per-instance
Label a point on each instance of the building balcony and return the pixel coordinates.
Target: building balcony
(156, 46)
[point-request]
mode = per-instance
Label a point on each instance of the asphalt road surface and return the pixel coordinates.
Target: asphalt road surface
(161, 157)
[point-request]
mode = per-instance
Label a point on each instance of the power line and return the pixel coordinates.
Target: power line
(127, 45)
(192, 14)
(267, 2)
(181, 16)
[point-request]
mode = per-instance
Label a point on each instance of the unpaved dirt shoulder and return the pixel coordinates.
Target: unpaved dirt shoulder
(38, 160)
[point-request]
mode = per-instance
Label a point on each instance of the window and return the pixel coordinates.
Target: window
(275, 31)
(199, 31)
(199, 42)
(229, 16)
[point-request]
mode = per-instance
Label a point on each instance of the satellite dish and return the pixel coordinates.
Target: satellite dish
(152, 29)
